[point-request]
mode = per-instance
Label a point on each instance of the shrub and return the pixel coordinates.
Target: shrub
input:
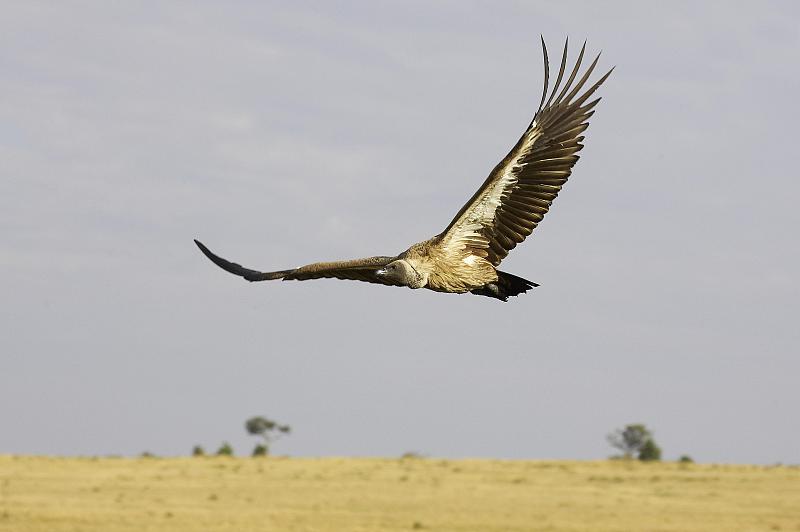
(650, 452)
(225, 450)
(260, 450)
(412, 455)
(198, 450)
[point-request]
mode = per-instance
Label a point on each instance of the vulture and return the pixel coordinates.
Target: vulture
(505, 209)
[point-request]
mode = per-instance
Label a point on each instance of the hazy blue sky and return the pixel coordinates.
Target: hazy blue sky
(282, 134)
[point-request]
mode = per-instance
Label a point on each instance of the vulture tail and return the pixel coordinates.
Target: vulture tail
(507, 285)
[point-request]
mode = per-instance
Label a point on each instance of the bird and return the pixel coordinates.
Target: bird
(508, 206)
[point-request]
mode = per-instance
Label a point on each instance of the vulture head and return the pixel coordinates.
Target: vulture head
(402, 272)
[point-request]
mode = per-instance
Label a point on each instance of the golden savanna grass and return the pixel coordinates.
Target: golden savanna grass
(40, 494)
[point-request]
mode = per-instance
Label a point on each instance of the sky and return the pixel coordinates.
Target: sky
(287, 133)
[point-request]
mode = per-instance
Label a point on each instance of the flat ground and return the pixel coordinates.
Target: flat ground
(333, 494)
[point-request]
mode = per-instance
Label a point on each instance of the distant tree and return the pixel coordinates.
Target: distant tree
(685, 459)
(225, 449)
(268, 430)
(198, 450)
(635, 440)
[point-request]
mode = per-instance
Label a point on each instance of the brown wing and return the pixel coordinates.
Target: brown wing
(355, 270)
(519, 191)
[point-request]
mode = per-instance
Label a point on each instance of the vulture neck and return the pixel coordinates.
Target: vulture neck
(420, 276)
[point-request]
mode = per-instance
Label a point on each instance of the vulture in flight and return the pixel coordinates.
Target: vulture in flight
(505, 209)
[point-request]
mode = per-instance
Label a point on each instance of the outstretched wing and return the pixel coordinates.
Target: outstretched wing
(519, 191)
(354, 270)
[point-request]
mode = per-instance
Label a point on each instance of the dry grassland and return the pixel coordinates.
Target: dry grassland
(39, 494)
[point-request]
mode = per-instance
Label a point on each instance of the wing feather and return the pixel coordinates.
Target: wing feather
(522, 187)
(352, 270)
